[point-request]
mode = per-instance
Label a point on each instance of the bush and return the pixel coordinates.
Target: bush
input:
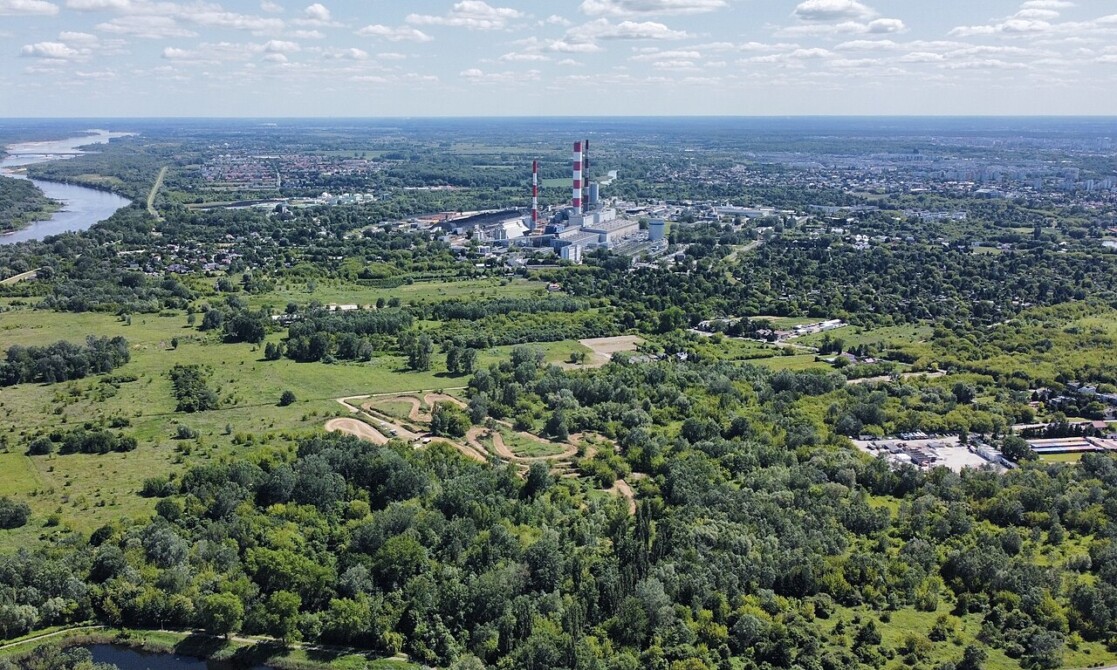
(40, 446)
(288, 398)
(13, 513)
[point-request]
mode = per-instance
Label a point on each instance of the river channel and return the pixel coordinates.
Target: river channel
(81, 207)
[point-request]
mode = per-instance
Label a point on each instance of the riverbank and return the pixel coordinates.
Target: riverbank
(237, 650)
(22, 203)
(78, 206)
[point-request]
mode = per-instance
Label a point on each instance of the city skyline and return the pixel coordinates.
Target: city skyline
(81, 58)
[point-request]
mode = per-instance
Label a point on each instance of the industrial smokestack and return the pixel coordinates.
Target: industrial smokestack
(535, 197)
(577, 199)
(585, 171)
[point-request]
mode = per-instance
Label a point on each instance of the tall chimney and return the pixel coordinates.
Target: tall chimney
(585, 171)
(535, 197)
(577, 200)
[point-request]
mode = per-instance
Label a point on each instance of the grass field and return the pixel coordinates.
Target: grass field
(86, 491)
(854, 336)
(526, 447)
(1060, 458)
(794, 363)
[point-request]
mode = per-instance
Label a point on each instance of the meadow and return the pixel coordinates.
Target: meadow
(82, 492)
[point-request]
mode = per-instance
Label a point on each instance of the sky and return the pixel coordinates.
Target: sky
(371, 58)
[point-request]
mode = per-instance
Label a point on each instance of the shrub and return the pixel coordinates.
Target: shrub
(13, 513)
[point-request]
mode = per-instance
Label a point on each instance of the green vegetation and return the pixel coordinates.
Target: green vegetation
(21, 202)
(173, 471)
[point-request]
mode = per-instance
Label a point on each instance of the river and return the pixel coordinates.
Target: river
(131, 659)
(81, 207)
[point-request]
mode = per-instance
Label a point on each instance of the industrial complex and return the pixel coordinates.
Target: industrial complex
(586, 223)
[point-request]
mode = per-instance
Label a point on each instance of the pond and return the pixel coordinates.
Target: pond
(131, 659)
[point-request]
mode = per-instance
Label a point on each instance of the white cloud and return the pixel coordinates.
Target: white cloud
(603, 29)
(629, 8)
(673, 54)
(83, 39)
(347, 54)
(281, 46)
(478, 76)
(51, 51)
(306, 35)
(832, 10)
(874, 27)
(523, 57)
(27, 8)
(173, 53)
(471, 14)
(149, 27)
(401, 34)
(317, 12)
(271, 7)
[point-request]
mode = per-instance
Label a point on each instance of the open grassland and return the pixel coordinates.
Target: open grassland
(85, 491)
(890, 336)
(794, 363)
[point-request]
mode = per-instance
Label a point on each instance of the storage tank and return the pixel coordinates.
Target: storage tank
(657, 230)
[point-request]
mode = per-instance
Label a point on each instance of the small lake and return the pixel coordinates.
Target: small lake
(81, 207)
(130, 659)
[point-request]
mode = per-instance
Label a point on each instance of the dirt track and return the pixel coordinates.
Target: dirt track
(603, 348)
(503, 452)
(621, 488)
(356, 428)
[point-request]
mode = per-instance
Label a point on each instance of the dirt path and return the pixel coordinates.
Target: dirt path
(603, 348)
(154, 191)
(23, 276)
(356, 428)
(906, 375)
(433, 398)
(621, 488)
(47, 636)
(506, 454)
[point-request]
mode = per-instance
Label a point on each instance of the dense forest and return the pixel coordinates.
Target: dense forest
(21, 202)
(758, 542)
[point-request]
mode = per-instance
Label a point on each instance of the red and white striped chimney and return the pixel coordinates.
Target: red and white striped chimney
(535, 196)
(585, 171)
(577, 200)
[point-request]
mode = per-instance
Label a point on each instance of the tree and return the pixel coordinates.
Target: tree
(419, 357)
(282, 615)
(448, 420)
(221, 613)
(1016, 449)
(468, 363)
(13, 513)
(287, 398)
(539, 479)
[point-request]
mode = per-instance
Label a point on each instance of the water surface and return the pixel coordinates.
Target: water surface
(81, 207)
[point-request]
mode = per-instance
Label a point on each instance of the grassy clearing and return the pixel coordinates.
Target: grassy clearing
(905, 622)
(1060, 458)
(525, 447)
(394, 408)
(855, 336)
(794, 363)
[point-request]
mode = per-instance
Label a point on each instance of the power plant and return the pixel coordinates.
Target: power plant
(568, 230)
